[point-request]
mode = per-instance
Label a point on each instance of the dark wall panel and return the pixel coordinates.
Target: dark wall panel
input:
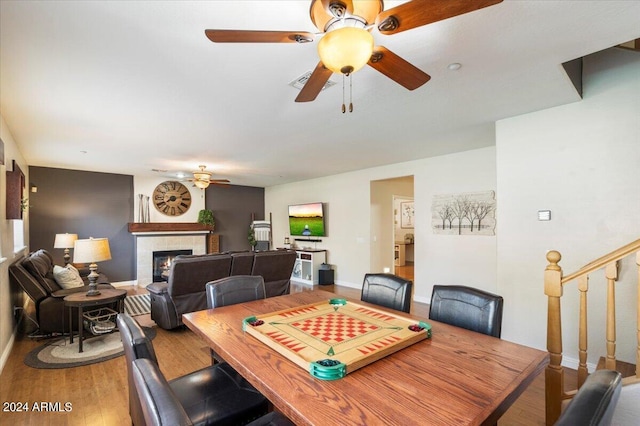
(88, 204)
(232, 209)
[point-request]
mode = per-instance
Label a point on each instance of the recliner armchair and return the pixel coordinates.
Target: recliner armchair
(185, 290)
(275, 268)
(34, 274)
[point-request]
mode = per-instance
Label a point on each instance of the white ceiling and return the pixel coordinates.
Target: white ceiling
(126, 87)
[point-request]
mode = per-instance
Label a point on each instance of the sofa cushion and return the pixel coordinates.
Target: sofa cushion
(67, 277)
(40, 266)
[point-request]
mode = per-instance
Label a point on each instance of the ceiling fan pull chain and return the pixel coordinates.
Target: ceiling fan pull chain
(350, 93)
(344, 108)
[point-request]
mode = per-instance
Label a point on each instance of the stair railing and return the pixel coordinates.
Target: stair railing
(554, 282)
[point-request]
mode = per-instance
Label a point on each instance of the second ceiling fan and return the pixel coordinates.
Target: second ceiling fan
(347, 44)
(202, 178)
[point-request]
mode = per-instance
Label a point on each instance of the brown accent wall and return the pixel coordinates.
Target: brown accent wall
(232, 207)
(89, 204)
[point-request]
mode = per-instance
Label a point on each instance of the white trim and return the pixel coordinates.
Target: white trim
(7, 349)
(573, 363)
(19, 250)
(133, 283)
(2, 260)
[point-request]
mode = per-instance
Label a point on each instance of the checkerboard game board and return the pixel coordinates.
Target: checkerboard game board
(336, 337)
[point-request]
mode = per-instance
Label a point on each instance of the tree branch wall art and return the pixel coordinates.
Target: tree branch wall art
(472, 213)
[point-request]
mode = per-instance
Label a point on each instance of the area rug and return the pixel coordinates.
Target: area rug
(138, 304)
(62, 354)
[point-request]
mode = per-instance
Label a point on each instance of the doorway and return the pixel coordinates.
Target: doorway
(385, 215)
(403, 236)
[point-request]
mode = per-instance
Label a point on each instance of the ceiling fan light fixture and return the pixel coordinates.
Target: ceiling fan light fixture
(346, 50)
(202, 184)
(201, 175)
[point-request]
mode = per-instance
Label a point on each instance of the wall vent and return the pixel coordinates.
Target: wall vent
(299, 82)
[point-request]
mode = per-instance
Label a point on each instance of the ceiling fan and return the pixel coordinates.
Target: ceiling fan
(347, 44)
(202, 178)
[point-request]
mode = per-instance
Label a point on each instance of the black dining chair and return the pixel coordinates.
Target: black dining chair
(595, 402)
(213, 395)
(162, 407)
(232, 290)
(467, 307)
(388, 290)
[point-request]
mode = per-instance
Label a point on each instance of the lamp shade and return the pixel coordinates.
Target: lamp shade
(91, 251)
(202, 184)
(346, 50)
(65, 240)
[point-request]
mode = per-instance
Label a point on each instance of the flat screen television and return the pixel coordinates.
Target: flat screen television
(307, 220)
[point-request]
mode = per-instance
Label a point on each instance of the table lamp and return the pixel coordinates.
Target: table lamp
(66, 242)
(91, 251)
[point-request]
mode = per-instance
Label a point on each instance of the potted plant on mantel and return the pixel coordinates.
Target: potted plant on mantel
(205, 217)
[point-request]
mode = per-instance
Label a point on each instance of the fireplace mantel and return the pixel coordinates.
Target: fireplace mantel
(168, 227)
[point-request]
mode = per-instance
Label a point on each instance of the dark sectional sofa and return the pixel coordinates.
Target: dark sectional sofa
(34, 274)
(185, 289)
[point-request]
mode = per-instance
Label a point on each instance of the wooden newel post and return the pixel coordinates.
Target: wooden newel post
(611, 273)
(554, 376)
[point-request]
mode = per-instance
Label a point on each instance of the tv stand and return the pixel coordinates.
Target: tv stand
(308, 261)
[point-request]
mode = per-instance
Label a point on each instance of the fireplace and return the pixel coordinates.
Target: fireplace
(152, 237)
(161, 263)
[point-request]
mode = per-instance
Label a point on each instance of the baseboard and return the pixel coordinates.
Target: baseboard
(421, 299)
(133, 283)
(7, 349)
(573, 364)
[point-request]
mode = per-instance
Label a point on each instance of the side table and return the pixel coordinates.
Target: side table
(81, 301)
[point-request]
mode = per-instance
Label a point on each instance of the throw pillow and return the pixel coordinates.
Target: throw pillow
(67, 277)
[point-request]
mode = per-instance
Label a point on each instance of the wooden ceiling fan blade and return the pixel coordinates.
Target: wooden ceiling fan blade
(250, 36)
(219, 181)
(397, 69)
(315, 83)
(417, 13)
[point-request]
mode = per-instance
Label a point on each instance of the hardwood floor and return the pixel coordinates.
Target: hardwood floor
(405, 271)
(98, 393)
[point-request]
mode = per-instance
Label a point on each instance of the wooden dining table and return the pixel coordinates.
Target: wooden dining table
(457, 377)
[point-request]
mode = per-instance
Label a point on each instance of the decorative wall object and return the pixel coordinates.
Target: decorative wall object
(143, 209)
(407, 214)
(1, 153)
(140, 208)
(472, 213)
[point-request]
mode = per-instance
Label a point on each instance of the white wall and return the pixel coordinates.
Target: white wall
(7, 324)
(582, 162)
(350, 236)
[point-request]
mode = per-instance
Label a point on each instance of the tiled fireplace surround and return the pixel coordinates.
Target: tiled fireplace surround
(148, 242)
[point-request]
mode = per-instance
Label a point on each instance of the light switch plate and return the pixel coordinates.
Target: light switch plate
(544, 214)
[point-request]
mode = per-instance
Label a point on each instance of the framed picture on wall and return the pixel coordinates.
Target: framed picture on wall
(406, 215)
(1, 153)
